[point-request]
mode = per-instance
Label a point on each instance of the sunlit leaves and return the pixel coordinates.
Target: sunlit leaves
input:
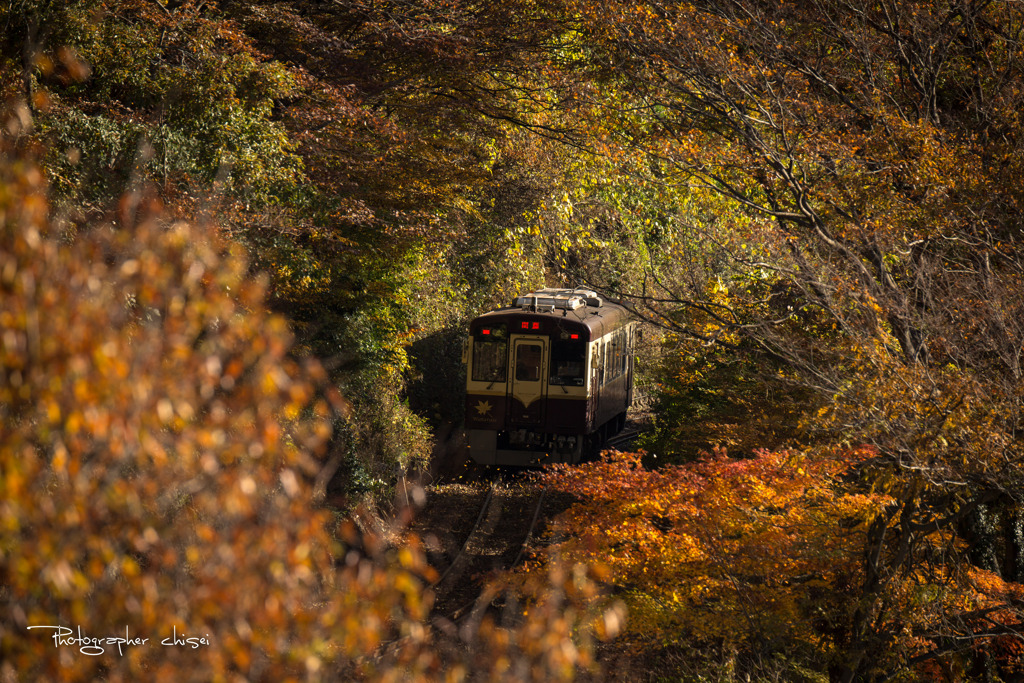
(763, 555)
(719, 549)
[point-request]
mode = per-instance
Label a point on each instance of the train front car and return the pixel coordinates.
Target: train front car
(548, 378)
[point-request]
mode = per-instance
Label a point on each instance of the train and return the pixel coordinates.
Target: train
(548, 378)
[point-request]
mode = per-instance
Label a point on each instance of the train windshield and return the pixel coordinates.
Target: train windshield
(490, 354)
(568, 362)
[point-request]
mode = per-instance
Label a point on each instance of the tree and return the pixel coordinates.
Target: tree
(413, 117)
(158, 447)
(858, 160)
(131, 91)
(759, 559)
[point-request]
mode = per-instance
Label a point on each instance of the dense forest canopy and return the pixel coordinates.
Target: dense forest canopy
(815, 203)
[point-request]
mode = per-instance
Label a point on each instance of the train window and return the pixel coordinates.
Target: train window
(620, 351)
(612, 362)
(607, 367)
(614, 354)
(627, 349)
(490, 353)
(568, 361)
(528, 362)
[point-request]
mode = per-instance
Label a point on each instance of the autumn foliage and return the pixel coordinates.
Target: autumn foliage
(733, 553)
(156, 463)
(818, 201)
(756, 564)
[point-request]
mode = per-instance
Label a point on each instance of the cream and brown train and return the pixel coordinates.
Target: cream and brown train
(548, 378)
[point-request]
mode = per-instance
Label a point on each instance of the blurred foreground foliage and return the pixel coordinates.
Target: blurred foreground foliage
(158, 452)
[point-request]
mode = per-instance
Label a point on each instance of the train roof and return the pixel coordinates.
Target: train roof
(581, 308)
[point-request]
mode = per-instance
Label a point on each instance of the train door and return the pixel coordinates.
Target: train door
(526, 390)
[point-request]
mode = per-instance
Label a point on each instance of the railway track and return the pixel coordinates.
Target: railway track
(486, 526)
(624, 440)
(475, 531)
